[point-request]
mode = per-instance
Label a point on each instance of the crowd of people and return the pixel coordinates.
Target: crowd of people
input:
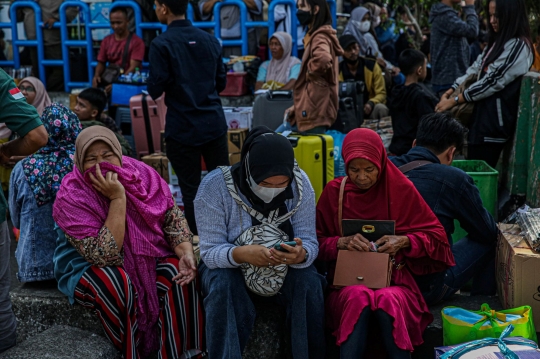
(106, 227)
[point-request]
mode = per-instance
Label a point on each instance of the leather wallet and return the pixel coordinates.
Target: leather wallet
(374, 270)
(371, 230)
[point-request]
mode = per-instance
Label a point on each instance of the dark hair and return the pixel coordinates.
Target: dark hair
(440, 131)
(513, 24)
(323, 17)
(96, 97)
(177, 7)
(410, 60)
(121, 9)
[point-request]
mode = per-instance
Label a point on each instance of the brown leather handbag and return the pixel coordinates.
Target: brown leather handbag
(463, 112)
(372, 269)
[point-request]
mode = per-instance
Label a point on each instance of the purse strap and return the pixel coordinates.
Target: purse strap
(126, 51)
(340, 206)
(413, 165)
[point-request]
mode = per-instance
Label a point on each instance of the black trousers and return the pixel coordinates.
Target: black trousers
(489, 152)
(186, 162)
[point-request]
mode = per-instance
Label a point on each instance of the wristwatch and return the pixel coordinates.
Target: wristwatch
(456, 99)
(306, 257)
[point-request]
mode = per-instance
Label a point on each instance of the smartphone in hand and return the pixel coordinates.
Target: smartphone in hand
(278, 246)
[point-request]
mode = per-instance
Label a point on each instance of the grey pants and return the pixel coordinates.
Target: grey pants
(8, 324)
(380, 111)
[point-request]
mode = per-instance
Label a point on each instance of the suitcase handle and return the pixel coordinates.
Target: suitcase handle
(277, 94)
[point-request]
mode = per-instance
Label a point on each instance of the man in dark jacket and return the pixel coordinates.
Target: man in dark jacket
(186, 64)
(408, 103)
(452, 195)
(449, 45)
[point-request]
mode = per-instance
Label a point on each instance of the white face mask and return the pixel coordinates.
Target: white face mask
(264, 193)
(365, 26)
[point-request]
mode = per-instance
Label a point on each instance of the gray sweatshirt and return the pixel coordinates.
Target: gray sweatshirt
(449, 46)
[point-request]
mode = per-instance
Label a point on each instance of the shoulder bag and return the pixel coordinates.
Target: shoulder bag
(113, 71)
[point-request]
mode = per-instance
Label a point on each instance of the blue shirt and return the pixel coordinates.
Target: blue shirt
(186, 64)
(451, 194)
(37, 239)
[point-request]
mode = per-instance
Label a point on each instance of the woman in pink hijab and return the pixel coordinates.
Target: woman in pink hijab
(125, 251)
(33, 89)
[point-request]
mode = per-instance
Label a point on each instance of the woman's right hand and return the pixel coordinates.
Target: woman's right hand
(290, 115)
(256, 255)
(109, 186)
(447, 94)
(353, 243)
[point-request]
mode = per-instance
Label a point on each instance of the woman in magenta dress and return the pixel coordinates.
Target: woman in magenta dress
(376, 190)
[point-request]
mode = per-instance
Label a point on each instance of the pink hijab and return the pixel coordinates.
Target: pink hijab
(42, 98)
(81, 211)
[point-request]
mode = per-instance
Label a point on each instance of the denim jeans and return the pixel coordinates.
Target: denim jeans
(230, 313)
(474, 261)
(8, 324)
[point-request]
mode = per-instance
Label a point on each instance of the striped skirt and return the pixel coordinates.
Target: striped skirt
(109, 292)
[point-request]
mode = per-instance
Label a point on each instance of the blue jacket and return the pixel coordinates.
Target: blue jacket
(37, 240)
(451, 194)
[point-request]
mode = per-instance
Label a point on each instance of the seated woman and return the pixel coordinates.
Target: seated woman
(33, 186)
(242, 212)
(35, 93)
(377, 190)
(282, 71)
(127, 253)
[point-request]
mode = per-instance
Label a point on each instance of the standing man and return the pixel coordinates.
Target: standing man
(115, 49)
(357, 68)
(22, 118)
(449, 45)
(186, 64)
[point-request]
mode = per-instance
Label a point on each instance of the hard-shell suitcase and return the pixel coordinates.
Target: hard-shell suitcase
(315, 155)
(269, 108)
(148, 120)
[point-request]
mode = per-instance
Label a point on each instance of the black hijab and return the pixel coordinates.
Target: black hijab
(270, 154)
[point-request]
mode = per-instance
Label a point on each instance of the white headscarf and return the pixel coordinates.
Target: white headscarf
(279, 70)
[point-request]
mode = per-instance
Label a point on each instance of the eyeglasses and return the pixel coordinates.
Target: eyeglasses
(27, 89)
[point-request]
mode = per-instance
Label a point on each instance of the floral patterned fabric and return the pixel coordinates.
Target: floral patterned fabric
(176, 228)
(101, 251)
(45, 169)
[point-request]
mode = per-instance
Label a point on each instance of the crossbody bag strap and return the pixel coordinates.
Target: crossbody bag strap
(126, 52)
(413, 165)
(340, 206)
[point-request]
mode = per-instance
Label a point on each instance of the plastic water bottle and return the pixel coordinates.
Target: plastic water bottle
(238, 67)
(129, 78)
(137, 76)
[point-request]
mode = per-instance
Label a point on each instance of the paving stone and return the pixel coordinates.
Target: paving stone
(63, 342)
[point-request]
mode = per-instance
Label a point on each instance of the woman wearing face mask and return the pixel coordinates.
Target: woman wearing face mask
(316, 89)
(242, 213)
(498, 71)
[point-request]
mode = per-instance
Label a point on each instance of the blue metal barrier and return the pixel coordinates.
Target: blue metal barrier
(87, 43)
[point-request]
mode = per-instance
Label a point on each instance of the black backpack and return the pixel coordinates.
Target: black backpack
(351, 106)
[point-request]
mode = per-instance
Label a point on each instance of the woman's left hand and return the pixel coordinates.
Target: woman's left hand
(392, 244)
(445, 105)
(187, 269)
(294, 255)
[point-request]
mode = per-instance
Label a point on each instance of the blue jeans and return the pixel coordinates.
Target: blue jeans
(474, 261)
(441, 89)
(230, 313)
(8, 323)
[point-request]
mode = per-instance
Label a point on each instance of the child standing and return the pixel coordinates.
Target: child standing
(409, 102)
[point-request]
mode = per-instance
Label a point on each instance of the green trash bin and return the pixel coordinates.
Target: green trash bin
(486, 179)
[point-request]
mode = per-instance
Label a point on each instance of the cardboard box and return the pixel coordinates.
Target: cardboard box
(234, 158)
(160, 163)
(518, 271)
(173, 178)
(238, 117)
(236, 139)
(72, 101)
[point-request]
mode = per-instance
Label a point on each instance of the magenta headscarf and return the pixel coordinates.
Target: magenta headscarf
(81, 211)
